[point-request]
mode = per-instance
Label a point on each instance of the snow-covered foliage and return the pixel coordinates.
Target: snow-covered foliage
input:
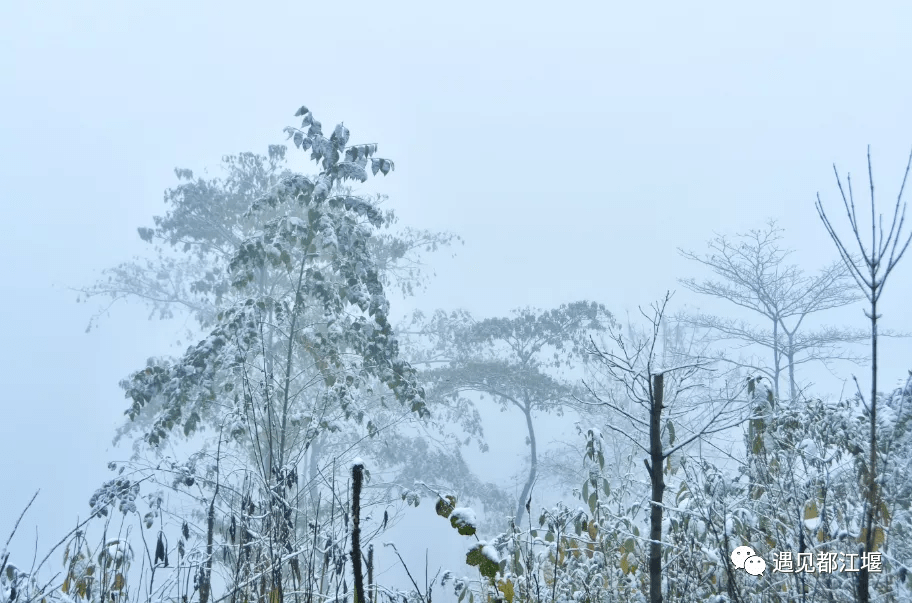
(223, 252)
(801, 492)
(286, 277)
(245, 444)
(805, 499)
(519, 361)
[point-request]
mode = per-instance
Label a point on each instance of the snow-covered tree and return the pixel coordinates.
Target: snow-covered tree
(660, 408)
(519, 361)
(870, 269)
(754, 275)
(286, 276)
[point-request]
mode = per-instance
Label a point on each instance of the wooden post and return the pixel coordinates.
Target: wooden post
(656, 475)
(357, 480)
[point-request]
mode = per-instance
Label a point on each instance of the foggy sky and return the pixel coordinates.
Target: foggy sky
(574, 146)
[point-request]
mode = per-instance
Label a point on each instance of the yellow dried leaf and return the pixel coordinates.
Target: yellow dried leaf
(810, 511)
(593, 530)
(885, 513)
(878, 537)
(506, 587)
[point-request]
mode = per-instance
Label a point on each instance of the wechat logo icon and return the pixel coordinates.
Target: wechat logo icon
(746, 558)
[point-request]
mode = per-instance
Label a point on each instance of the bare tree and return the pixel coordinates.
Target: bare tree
(754, 276)
(641, 373)
(870, 273)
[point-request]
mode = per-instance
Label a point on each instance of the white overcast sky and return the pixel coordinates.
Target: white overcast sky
(574, 145)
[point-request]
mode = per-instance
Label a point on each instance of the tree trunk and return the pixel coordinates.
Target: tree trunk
(533, 467)
(657, 478)
(776, 357)
(370, 573)
(205, 581)
(205, 575)
(313, 470)
(871, 510)
(793, 390)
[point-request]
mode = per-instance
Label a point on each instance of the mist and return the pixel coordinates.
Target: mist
(543, 155)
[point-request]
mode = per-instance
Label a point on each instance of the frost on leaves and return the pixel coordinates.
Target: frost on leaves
(311, 308)
(120, 491)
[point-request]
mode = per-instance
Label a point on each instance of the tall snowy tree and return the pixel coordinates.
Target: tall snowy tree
(206, 222)
(754, 275)
(878, 258)
(285, 276)
(519, 361)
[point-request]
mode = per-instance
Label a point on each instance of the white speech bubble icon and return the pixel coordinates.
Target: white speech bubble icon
(754, 565)
(740, 554)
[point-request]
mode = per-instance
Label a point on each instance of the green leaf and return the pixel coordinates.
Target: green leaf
(445, 507)
(476, 558)
(462, 526)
